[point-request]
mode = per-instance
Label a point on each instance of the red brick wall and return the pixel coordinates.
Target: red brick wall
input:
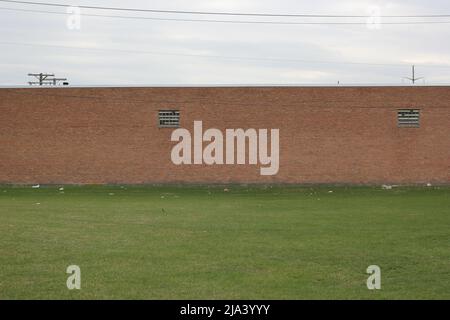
(327, 134)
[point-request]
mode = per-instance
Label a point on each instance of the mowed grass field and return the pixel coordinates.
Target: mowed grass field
(280, 242)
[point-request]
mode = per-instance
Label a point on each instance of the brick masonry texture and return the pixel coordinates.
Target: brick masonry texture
(330, 135)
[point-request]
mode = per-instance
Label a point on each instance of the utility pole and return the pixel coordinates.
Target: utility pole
(41, 77)
(413, 79)
(46, 79)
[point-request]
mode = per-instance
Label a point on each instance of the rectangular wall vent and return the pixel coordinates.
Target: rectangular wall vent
(169, 118)
(408, 118)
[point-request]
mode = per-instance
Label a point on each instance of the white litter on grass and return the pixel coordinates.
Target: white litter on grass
(386, 187)
(36, 186)
(61, 189)
(331, 191)
(429, 185)
(225, 190)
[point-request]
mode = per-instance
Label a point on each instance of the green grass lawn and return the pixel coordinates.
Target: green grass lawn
(204, 243)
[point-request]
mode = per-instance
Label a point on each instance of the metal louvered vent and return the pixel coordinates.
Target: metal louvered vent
(169, 118)
(408, 118)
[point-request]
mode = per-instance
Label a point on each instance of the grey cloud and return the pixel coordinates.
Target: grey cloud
(391, 44)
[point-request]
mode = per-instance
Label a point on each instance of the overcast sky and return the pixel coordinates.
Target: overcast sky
(113, 51)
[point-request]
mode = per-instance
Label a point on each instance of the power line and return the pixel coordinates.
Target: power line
(227, 21)
(214, 56)
(202, 56)
(253, 14)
